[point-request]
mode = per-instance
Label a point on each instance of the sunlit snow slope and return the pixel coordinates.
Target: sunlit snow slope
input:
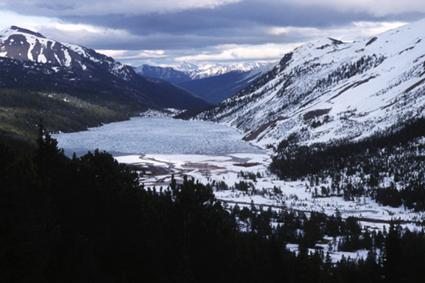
(22, 44)
(330, 89)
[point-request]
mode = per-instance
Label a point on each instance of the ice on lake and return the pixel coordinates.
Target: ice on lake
(210, 152)
(157, 135)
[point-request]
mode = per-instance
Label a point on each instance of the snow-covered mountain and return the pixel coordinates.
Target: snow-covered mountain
(166, 73)
(213, 82)
(330, 89)
(202, 71)
(184, 71)
(25, 45)
(38, 61)
(215, 89)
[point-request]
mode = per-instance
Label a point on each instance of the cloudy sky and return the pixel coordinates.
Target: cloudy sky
(166, 32)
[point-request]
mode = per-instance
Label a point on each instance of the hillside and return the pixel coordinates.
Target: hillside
(344, 119)
(168, 74)
(21, 110)
(332, 90)
(218, 88)
(33, 67)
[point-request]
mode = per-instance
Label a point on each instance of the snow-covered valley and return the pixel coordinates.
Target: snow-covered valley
(159, 147)
(343, 124)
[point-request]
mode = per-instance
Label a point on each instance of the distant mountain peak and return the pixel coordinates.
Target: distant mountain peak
(212, 82)
(26, 45)
(166, 73)
(201, 71)
(38, 60)
(335, 41)
(23, 30)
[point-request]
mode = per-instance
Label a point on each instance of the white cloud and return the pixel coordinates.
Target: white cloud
(31, 22)
(238, 53)
(295, 32)
(134, 55)
(180, 43)
(80, 34)
(86, 35)
(355, 31)
(56, 29)
(368, 29)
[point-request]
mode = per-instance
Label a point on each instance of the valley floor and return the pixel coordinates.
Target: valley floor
(265, 190)
(238, 172)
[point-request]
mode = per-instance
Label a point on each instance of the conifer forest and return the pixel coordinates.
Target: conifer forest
(88, 219)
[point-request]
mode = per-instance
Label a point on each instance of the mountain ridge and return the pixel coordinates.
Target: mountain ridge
(329, 89)
(212, 82)
(80, 67)
(201, 71)
(166, 73)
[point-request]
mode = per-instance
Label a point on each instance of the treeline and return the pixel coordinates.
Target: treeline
(21, 110)
(395, 255)
(88, 219)
(389, 167)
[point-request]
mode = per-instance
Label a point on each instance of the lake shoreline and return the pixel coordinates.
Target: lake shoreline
(157, 135)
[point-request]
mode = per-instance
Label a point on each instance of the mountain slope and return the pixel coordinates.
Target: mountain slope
(214, 82)
(168, 74)
(329, 89)
(215, 89)
(39, 62)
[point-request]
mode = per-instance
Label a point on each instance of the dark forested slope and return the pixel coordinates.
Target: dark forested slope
(88, 219)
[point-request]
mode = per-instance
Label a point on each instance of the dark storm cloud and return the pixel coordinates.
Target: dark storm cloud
(170, 28)
(238, 23)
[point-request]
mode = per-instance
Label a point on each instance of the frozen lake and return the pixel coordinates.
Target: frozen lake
(208, 152)
(157, 135)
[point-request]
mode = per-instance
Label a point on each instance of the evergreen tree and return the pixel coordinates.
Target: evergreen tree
(26, 222)
(393, 255)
